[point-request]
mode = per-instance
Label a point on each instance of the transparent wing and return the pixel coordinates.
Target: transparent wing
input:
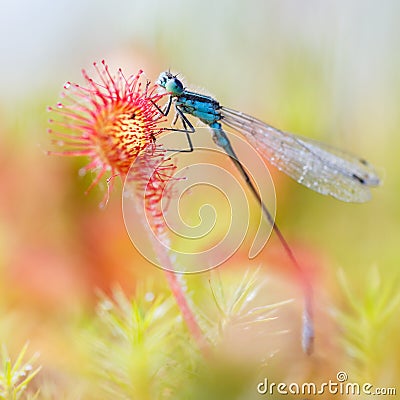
(319, 167)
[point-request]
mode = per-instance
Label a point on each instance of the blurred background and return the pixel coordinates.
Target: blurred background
(326, 70)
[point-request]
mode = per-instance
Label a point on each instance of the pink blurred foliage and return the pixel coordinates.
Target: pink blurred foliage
(58, 246)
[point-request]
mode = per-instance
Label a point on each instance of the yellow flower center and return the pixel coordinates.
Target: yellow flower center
(122, 135)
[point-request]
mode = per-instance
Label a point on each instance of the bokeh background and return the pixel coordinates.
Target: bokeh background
(328, 70)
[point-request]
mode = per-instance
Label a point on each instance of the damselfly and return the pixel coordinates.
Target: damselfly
(319, 167)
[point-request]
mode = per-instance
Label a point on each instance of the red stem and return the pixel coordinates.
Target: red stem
(187, 313)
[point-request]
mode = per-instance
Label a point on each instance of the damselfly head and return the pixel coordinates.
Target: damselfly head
(170, 83)
(164, 78)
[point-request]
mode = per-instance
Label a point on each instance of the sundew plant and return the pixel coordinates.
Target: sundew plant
(115, 122)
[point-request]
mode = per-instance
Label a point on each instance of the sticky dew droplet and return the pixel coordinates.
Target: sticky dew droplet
(149, 296)
(82, 171)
